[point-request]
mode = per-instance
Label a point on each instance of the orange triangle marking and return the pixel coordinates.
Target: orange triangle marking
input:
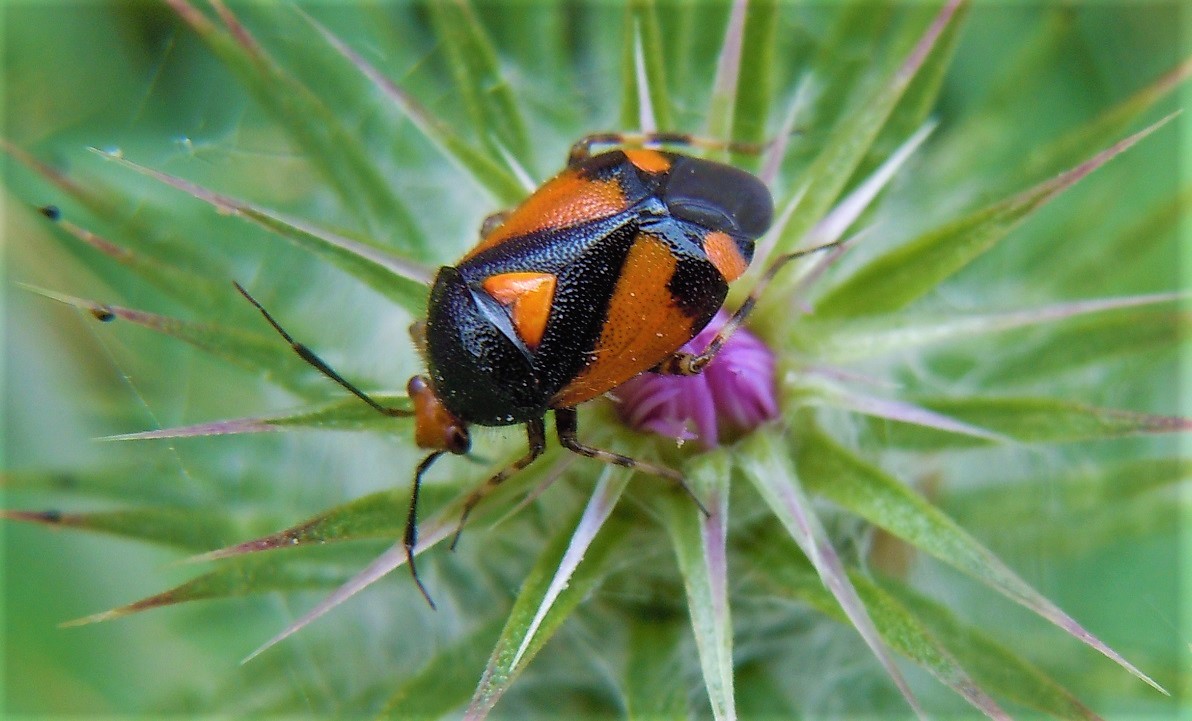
(529, 297)
(723, 252)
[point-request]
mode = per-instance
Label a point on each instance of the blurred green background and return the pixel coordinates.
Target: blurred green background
(127, 76)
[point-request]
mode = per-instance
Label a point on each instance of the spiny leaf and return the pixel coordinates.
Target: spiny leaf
(145, 481)
(1143, 494)
(699, 545)
(402, 281)
(774, 155)
(755, 89)
(443, 524)
(898, 332)
(837, 395)
(1160, 223)
(1151, 335)
(902, 631)
(244, 577)
(526, 631)
(833, 70)
(189, 528)
(963, 658)
(381, 566)
(186, 285)
(1110, 122)
(728, 75)
(991, 664)
(485, 92)
(86, 194)
(482, 169)
(653, 679)
(144, 226)
(1029, 420)
(335, 150)
(604, 499)
(849, 142)
(832, 226)
(921, 97)
(908, 272)
(349, 414)
(645, 94)
(244, 349)
(768, 467)
(378, 515)
(439, 686)
(830, 469)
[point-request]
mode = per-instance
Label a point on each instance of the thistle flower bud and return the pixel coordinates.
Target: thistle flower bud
(736, 392)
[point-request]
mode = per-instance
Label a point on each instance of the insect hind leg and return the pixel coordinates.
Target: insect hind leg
(582, 149)
(567, 424)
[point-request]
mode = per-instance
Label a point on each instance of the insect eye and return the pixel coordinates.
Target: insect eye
(458, 440)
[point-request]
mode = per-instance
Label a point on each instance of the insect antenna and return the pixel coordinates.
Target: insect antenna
(686, 364)
(746, 308)
(309, 356)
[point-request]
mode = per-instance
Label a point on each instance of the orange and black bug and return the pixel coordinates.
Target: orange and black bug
(603, 273)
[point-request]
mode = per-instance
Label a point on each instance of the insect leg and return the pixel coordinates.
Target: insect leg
(582, 149)
(567, 423)
(536, 433)
(689, 364)
(418, 336)
(491, 222)
(309, 356)
(411, 536)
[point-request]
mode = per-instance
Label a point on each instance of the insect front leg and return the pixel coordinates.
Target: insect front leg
(567, 424)
(418, 336)
(536, 434)
(492, 222)
(410, 539)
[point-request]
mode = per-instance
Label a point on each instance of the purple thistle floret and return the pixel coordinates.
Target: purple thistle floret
(736, 392)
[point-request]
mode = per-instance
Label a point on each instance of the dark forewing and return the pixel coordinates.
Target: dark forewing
(586, 262)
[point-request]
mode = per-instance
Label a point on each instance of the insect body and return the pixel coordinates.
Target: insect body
(600, 275)
(603, 273)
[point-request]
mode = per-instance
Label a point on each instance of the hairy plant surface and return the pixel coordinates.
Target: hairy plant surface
(963, 495)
